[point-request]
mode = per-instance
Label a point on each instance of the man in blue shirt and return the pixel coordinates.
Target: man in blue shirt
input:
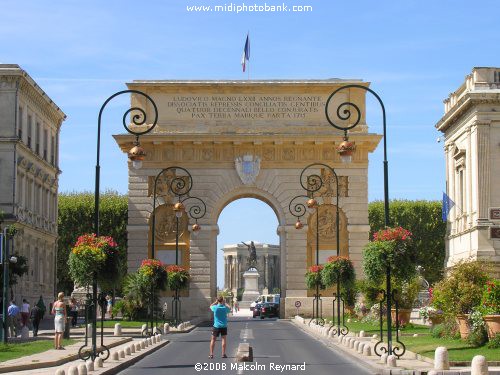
(220, 310)
(12, 314)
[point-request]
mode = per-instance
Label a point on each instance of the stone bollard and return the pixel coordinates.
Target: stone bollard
(166, 328)
(144, 344)
(82, 369)
(98, 362)
(89, 330)
(128, 351)
(432, 372)
(90, 365)
(351, 344)
(367, 350)
(383, 358)
(132, 348)
(479, 366)
(115, 356)
(360, 347)
(159, 338)
(361, 333)
(144, 327)
(356, 345)
(138, 347)
(415, 335)
(441, 361)
(340, 339)
(375, 336)
(60, 372)
(391, 361)
(122, 353)
(118, 330)
(150, 341)
(156, 331)
(73, 370)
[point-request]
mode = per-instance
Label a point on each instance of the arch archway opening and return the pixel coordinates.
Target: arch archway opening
(242, 221)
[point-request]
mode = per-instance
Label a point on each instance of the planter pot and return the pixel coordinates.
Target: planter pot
(492, 325)
(463, 325)
(436, 320)
(403, 315)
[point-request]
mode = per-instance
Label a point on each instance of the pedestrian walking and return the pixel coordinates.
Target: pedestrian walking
(109, 306)
(59, 309)
(36, 316)
(41, 305)
(13, 318)
(73, 311)
(220, 310)
(25, 312)
(236, 305)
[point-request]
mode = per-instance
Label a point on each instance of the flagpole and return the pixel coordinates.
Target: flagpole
(248, 38)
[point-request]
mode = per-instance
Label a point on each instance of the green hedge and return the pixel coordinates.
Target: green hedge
(423, 219)
(76, 217)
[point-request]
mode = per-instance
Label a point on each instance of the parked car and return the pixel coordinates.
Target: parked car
(266, 310)
(252, 305)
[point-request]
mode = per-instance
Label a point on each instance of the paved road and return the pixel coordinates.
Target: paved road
(274, 341)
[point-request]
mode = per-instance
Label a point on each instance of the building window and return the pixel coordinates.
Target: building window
(45, 143)
(52, 147)
(461, 187)
(497, 76)
(20, 124)
(30, 130)
(28, 194)
(37, 138)
(36, 264)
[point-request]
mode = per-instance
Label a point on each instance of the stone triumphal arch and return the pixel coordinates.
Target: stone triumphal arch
(275, 127)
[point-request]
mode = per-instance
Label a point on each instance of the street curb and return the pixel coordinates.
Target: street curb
(123, 365)
(58, 362)
(327, 343)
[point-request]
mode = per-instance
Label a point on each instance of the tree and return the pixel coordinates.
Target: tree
(76, 217)
(423, 219)
(17, 269)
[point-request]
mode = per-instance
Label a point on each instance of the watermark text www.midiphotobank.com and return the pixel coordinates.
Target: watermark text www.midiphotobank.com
(243, 7)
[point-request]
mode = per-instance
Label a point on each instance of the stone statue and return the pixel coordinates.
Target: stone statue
(252, 255)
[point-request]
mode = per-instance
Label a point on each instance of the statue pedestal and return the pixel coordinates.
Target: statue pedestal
(251, 293)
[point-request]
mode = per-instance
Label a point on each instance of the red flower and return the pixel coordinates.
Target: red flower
(315, 268)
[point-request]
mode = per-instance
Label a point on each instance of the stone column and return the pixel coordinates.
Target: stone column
(225, 272)
(483, 174)
(266, 271)
(238, 272)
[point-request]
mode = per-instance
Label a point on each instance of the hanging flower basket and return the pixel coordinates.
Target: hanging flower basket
(155, 272)
(93, 255)
(313, 277)
(338, 268)
(393, 247)
(178, 277)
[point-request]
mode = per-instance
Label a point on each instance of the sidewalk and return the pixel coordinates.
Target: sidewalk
(53, 357)
(410, 363)
(110, 366)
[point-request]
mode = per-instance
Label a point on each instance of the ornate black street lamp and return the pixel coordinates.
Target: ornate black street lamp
(344, 112)
(313, 183)
(178, 182)
(136, 156)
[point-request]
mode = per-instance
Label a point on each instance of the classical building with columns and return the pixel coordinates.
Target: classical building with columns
(248, 139)
(471, 128)
(268, 266)
(29, 172)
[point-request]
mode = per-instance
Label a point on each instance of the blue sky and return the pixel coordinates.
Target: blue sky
(413, 52)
